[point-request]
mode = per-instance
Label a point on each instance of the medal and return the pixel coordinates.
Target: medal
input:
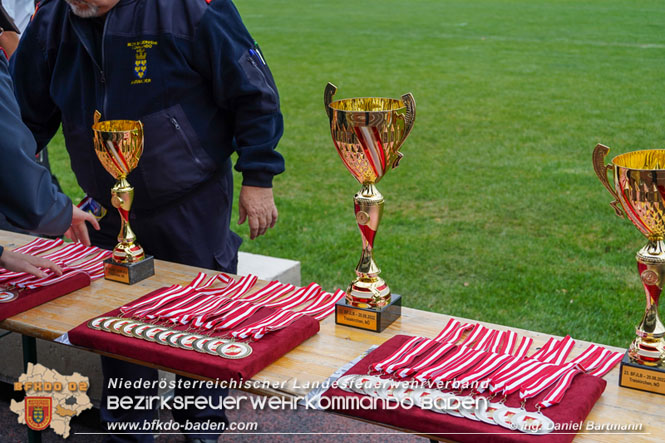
(212, 345)
(106, 324)
(128, 329)
(532, 423)
(172, 339)
(96, 322)
(7, 296)
(187, 341)
(138, 331)
(162, 337)
(150, 333)
(234, 350)
(199, 345)
(504, 416)
(487, 414)
(118, 325)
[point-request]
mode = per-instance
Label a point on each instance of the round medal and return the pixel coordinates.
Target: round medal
(140, 330)
(187, 341)
(504, 416)
(234, 350)
(533, 423)
(419, 394)
(7, 296)
(212, 345)
(117, 326)
(172, 340)
(128, 329)
(387, 392)
(106, 324)
(97, 322)
(485, 411)
(469, 413)
(163, 337)
(363, 381)
(199, 345)
(345, 381)
(150, 333)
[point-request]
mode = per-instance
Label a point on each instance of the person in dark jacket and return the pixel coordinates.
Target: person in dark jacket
(28, 198)
(192, 74)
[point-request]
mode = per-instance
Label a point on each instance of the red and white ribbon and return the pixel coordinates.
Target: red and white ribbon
(298, 297)
(237, 311)
(274, 322)
(325, 307)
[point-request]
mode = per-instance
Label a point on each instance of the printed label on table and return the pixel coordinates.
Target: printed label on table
(116, 273)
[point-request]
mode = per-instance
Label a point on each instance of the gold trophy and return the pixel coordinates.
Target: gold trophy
(119, 145)
(368, 133)
(639, 188)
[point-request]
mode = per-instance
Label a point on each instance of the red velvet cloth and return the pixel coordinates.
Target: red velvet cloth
(265, 351)
(29, 298)
(575, 406)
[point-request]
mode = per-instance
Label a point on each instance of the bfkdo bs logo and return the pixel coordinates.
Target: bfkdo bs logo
(38, 412)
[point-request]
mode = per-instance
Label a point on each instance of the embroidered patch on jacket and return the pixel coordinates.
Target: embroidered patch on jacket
(140, 49)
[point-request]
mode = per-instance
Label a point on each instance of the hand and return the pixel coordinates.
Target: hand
(78, 231)
(258, 205)
(17, 262)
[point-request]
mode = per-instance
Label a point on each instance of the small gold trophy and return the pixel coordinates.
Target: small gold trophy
(639, 188)
(368, 133)
(119, 145)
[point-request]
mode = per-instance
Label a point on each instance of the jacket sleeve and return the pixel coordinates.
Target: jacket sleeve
(242, 84)
(31, 74)
(28, 197)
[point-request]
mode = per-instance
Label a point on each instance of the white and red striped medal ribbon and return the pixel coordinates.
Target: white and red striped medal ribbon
(161, 298)
(408, 345)
(603, 365)
(235, 313)
(325, 306)
(298, 297)
(274, 322)
(214, 298)
(39, 245)
(66, 252)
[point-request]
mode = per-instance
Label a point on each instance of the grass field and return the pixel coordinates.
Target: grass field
(495, 212)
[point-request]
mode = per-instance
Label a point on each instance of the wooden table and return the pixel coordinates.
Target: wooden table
(317, 358)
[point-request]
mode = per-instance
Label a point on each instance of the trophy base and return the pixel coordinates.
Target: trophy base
(643, 378)
(129, 273)
(375, 320)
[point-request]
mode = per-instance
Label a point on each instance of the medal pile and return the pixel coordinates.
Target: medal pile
(474, 378)
(72, 258)
(214, 321)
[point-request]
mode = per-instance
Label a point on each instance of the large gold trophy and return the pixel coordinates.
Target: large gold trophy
(368, 133)
(639, 188)
(119, 145)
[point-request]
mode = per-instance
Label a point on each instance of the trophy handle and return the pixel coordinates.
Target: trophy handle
(96, 117)
(328, 97)
(599, 153)
(410, 117)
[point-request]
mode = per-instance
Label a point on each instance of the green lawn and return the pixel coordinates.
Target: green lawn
(495, 212)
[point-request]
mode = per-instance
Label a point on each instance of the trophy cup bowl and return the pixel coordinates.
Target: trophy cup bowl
(368, 133)
(119, 145)
(639, 189)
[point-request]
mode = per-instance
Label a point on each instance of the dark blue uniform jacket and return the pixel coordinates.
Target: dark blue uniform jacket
(28, 198)
(193, 75)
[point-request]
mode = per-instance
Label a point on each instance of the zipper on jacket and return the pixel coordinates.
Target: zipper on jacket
(265, 79)
(102, 77)
(184, 138)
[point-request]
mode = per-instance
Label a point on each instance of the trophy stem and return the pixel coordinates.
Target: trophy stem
(648, 348)
(126, 251)
(368, 289)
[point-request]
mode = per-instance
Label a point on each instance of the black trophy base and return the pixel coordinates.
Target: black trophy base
(129, 273)
(644, 378)
(368, 319)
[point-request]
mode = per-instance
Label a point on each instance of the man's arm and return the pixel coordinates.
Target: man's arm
(243, 85)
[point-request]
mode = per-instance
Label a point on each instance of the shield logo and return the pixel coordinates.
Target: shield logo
(38, 412)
